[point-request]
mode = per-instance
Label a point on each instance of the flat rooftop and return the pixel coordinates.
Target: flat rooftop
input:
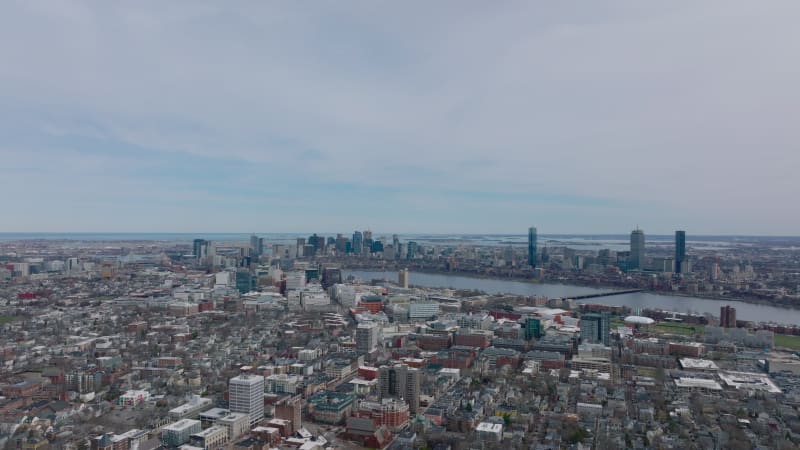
(699, 383)
(209, 431)
(191, 406)
(749, 381)
(698, 364)
(489, 427)
(181, 425)
(215, 413)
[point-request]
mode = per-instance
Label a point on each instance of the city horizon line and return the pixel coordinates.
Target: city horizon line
(539, 234)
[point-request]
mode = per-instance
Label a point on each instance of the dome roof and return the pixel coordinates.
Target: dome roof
(639, 320)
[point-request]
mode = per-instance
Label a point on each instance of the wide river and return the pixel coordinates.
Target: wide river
(639, 300)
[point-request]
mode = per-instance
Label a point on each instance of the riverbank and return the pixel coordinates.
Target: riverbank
(537, 282)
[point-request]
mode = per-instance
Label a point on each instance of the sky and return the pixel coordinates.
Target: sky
(408, 117)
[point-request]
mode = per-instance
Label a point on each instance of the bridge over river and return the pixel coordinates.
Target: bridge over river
(605, 294)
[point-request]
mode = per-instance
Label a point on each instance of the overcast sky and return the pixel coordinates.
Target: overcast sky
(576, 117)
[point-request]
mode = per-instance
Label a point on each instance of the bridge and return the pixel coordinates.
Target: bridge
(605, 294)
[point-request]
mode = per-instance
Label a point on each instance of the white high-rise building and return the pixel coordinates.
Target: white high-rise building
(246, 395)
(295, 280)
(367, 336)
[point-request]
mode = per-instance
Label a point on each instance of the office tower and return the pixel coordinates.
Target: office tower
(358, 242)
(508, 255)
(318, 242)
(604, 257)
(367, 336)
(402, 278)
(368, 241)
(396, 243)
(402, 382)
(254, 247)
(532, 247)
(413, 248)
(198, 248)
(341, 244)
(680, 250)
(533, 328)
(245, 281)
(595, 328)
(727, 317)
(246, 396)
(331, 276)
(636, 261)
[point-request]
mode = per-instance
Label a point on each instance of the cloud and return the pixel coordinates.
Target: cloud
(584, 118)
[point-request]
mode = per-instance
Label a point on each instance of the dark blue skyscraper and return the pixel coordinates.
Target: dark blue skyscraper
(358, 243)
(412, 249)
(680, 250)
(198, 247)
(532, 247)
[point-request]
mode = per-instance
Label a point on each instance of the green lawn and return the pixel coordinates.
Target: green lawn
(787, 341)
(678, 328)
(646, 371)
(6, 319)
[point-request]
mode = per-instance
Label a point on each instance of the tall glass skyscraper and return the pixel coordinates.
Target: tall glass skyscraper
(636, 261)
(532, 247)
(197, 247)
(680, 250)
(358, 243)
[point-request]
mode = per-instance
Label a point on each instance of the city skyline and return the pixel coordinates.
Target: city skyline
(584, 119)
(399, 225)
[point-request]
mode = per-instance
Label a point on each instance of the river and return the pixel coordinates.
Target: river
(638, 300)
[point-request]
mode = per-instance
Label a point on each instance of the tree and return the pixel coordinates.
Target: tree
(577, 436)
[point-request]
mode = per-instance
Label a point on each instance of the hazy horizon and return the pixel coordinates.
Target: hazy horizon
(586, 118)
(201, 234)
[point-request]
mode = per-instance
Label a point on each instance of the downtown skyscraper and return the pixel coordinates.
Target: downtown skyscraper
(532, 247)
(680, 250)
(636, 261)
(358, 243)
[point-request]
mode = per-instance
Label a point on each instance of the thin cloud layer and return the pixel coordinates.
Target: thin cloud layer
(460, 117)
